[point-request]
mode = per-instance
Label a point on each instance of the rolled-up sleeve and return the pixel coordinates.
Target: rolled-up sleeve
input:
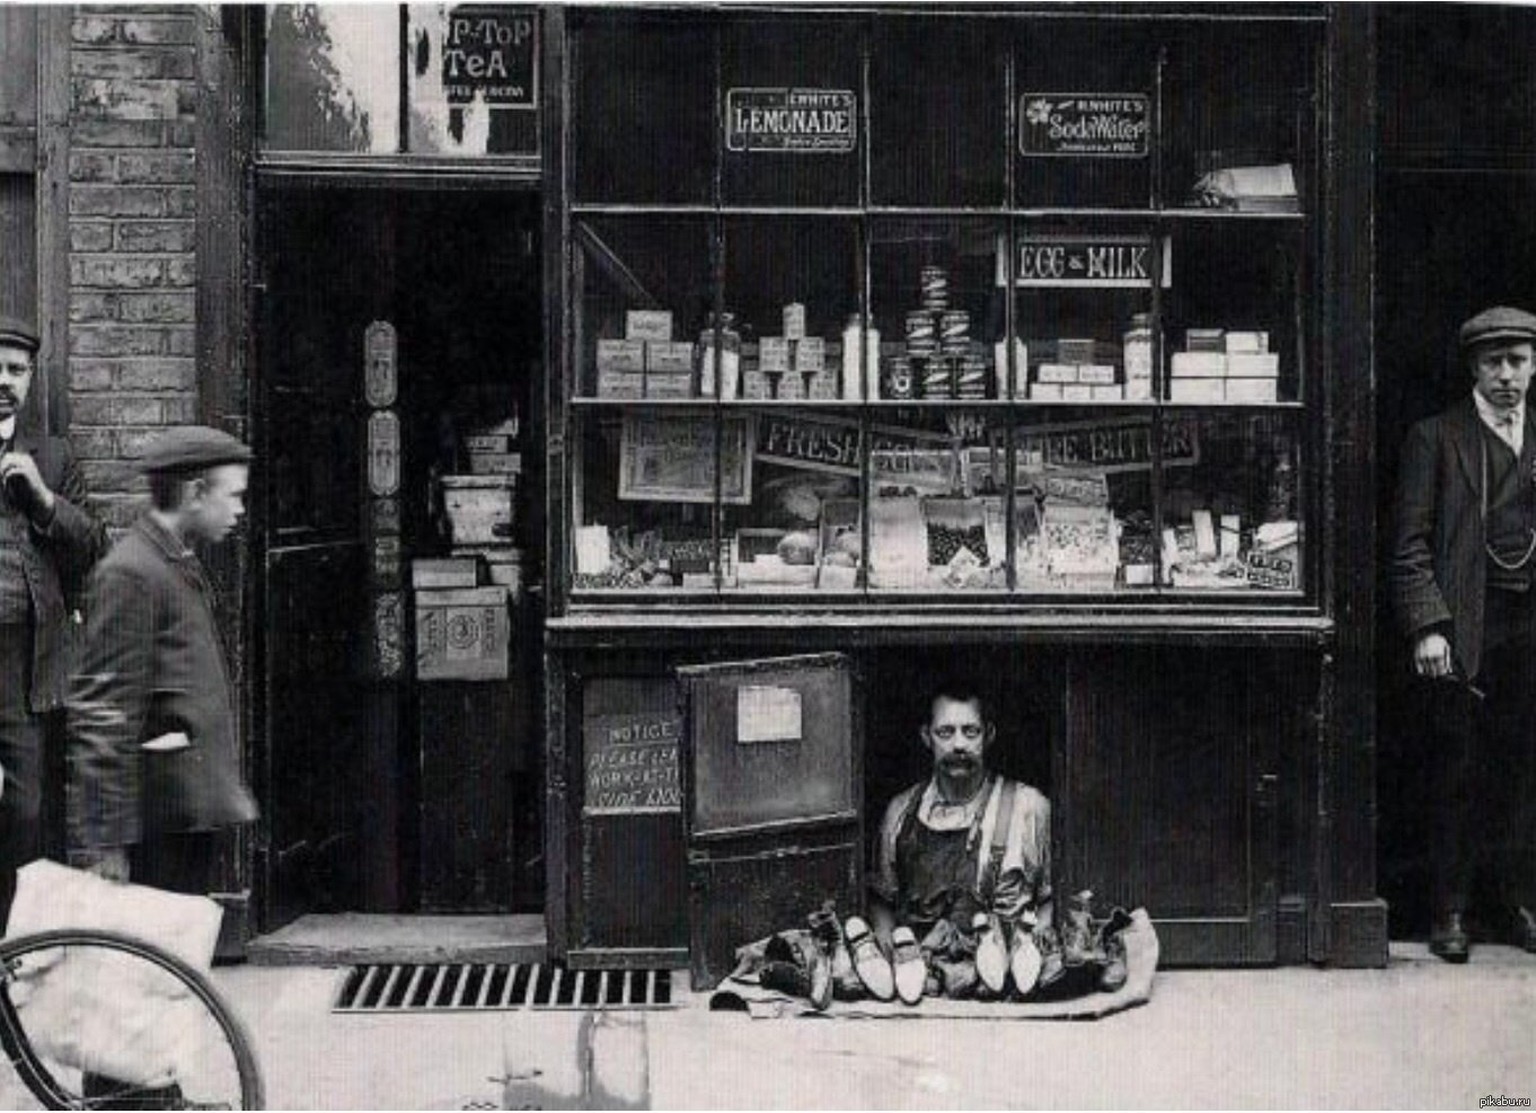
(882, 881)
(107, 705)
(1024, 882)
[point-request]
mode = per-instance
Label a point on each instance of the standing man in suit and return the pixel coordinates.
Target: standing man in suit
(48, 541)
(1463, 583)
(154, 757)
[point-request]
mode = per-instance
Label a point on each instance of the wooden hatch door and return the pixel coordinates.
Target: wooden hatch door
(773, 778)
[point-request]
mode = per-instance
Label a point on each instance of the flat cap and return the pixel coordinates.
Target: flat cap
(16, 332)
(1499, 323)
(191, 448)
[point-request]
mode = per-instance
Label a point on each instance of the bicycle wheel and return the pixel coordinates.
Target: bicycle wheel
(95, 1020)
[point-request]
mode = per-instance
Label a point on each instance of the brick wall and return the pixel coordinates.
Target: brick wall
(132, 232)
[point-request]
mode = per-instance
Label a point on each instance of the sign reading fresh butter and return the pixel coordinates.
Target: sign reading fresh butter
(632, 763)
(1084, 125)
(792, 121)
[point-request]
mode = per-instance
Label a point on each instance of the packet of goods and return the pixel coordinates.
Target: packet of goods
(1080, 541)
(898, 543)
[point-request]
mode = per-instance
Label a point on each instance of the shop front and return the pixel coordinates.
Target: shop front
(1032, 348)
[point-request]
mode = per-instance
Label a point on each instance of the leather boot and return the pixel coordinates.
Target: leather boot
(1448, 940)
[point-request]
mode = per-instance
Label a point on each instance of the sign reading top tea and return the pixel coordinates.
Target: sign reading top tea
(1084, 125)
(791, 121)
(491, 53)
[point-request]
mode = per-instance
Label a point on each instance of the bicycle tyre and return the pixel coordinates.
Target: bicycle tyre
(37, 1075)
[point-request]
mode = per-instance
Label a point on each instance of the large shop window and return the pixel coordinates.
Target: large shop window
(904, 306)
(417, 79)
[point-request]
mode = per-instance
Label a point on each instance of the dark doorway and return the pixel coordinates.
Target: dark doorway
(381, 792)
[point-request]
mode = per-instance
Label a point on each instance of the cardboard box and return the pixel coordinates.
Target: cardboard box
(669, 384)
(462, 634)
(1199, 365)
(1045, 392)
(794, 321)
(1076, 392)
(823, 386)
(1243, 343)
(620, 384)
(480, 508)
(486, 442)
(450, 572)
(1096, 374)
(1056, 373)
(668, 357)
(773, 354)
(648, 324)
(495, 463)
(1253, 365)
(1197, 390)
(1252, 391)
(754, 385)
(809, 356)
(1205, 340)
(1074, 351)
(620, 355)
(1111, 393)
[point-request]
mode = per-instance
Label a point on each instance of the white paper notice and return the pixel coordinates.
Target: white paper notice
(765, 713)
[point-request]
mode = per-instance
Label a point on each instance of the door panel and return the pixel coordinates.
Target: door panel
(773, 791)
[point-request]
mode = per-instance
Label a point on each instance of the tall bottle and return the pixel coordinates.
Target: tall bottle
(861, 378)
(1138, 359)
(730, 358)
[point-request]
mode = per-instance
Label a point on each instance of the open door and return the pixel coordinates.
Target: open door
(773, 800)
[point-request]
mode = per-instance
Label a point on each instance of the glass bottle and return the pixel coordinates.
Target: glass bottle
(1138, 359)
(730, 358)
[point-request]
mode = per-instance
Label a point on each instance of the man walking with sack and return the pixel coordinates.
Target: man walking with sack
(48, 541)
(154, 757)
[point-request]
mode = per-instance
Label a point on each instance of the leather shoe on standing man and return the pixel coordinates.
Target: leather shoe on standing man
(1449, 939)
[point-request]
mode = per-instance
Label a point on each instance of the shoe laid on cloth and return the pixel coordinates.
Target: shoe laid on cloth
(908, 965)
(991, 952)
(1024, 959)
(796, 964)
(869, 962)
(1449, 939)
(1078, 942)
(1051, 966)
(1112, 976)
(1525, 929)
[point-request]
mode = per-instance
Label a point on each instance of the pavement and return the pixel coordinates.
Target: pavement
(1417, 1034)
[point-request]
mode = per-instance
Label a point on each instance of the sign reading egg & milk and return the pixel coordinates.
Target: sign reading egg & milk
(1084, 125)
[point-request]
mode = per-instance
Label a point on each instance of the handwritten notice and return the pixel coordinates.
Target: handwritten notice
(632, 763)
(768, 713)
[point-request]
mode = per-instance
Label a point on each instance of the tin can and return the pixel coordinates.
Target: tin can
(954, 331)
(934, 287)
(896, 379)
(938, 378)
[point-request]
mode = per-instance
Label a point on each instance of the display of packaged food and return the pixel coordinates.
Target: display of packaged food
(1080, 541)
(648, 324)
(1056, 373)
(495, 463)
(1251, 391)
(1075, 351)
(1198, 391)
(462, 634)
(1253, 365)
(1198, 365)
(620, 355)
(1076, 392)
(668, 356)
(1112, 392)
(933, 288)
(669, 384)
(794, 321)
(486, 442)
(445, 572)
(896, 381)
(773, 354)
(808, 355)
(1138, 390)
(1045, 392)
(1205, 340)
(1240, 343)
(1020, 363)
(1096, 374)
(480, 508)
(620, 384)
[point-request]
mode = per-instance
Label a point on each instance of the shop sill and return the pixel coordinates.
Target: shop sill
(653, 624)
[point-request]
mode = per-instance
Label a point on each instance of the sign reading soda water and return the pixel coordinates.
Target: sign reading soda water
(1084, 125)
(793, 121)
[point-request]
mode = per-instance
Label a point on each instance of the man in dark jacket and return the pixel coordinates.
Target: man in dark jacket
(48, 541)
(154, 757)
(1463, 582)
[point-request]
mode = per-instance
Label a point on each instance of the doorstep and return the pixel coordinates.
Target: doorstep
(345, 938)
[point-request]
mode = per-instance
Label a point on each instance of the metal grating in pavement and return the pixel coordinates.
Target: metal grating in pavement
(396, 987)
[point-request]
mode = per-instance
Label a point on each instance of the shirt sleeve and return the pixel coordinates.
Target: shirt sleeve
(107, 705)
(882, 881)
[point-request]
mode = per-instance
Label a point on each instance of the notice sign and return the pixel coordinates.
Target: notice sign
(1095, 262)
(490, 53)
(1084, 125)
(768, 713)
(632, 763)
(791, 121)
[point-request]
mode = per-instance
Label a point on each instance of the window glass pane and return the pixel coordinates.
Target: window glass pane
(1239, 99)
(1232, 511)
(644, 493)
(1232, 323)
(1082, 305)
(1085, 115)
(1083, 515)
(937, 518)
(18, 246)
(937, 90)
(646, 294)
(333, 78)
(472, 78)
(938, 309)
(644, 109)
(793, 112)
(18, 65)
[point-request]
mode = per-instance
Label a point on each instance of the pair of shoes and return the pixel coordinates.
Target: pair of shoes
(1526, 929)
(1449, 939)
(869, 961)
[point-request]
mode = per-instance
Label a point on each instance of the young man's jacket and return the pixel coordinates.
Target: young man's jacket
(152, 670)
(1439, 566)
(55, 561)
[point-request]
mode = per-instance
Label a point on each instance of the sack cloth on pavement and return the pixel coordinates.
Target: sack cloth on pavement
(105, 1011)
(1141, 952)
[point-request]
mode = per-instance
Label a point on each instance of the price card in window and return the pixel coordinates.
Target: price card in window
(768, 713)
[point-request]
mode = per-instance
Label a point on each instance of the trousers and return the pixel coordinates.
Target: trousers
(21, 745)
